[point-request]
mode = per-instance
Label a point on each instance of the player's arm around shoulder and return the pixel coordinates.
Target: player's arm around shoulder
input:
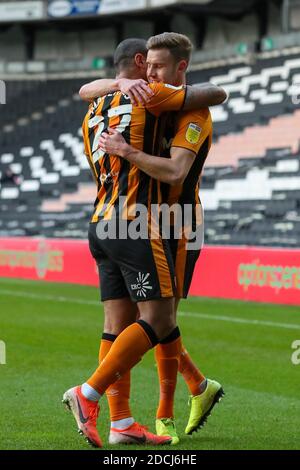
(137, 90)
(97, 88)
(203, 95)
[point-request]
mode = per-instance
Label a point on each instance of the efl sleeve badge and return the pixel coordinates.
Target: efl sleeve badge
(192, 134)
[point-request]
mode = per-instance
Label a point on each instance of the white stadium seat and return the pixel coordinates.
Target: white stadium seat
(9, 193)
(50, 178)
(26, 151)
(7, 158)
(30, 185)
(46, 144)
(38, 173)
(71, 171)
(36, 162)
(218, 113)
(279, 86)
(56, 155)
(288, 165)
(16, 168)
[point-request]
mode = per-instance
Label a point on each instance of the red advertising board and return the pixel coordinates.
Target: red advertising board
(54, 260)
(245, 273)
(248, 273)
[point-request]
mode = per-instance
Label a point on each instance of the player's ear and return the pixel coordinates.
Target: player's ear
(140, 60)
(182, 66)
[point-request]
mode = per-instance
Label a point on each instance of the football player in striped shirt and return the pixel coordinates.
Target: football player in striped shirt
(139, 268)
(187, 138)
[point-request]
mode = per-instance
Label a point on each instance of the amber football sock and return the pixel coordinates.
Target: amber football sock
(118, 393)
(126, 351)
(191, 374)
(167, 355)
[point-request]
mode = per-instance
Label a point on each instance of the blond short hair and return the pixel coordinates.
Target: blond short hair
(179, 45)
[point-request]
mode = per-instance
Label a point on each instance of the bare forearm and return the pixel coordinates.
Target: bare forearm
(161, 169)
(204, 95)
(97, 88)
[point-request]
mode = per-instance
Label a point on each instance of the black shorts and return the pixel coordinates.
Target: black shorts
(141, 269)
(184, 260)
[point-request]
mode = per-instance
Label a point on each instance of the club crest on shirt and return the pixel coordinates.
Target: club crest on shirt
(192, 134)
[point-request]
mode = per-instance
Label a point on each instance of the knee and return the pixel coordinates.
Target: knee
(166, 330)
(162, 328)
(115, 326)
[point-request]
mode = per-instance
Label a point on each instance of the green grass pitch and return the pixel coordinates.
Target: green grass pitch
(52, 332)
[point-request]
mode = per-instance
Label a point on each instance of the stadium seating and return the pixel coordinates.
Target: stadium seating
(250, 187)
(40, 142)
(254, 203)
(257, 93)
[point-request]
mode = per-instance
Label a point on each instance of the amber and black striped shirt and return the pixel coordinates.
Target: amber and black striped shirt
(114, 176)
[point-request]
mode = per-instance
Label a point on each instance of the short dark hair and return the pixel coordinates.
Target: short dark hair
(126, 51)
(179, 45)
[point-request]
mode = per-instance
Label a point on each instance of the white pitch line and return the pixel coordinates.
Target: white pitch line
(288, 326)
(59, 298)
